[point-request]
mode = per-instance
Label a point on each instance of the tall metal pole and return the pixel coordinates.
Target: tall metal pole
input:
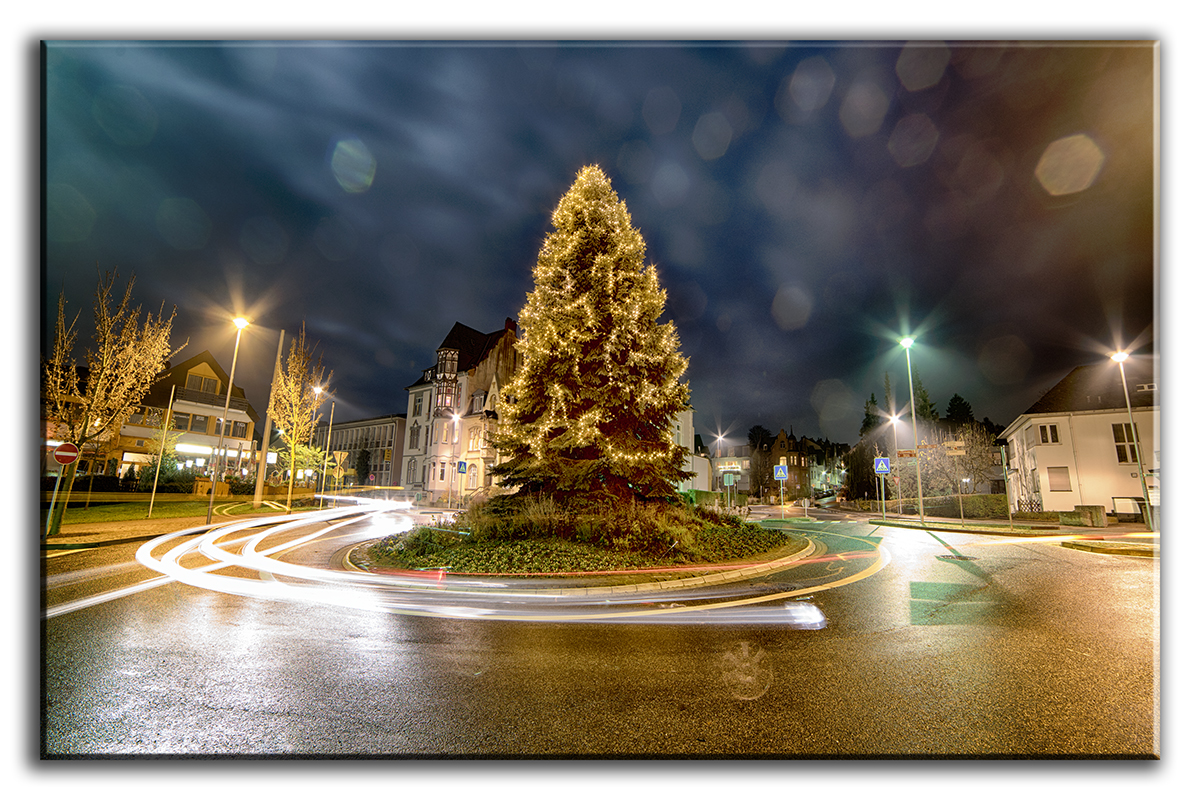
(262, 456)
(1137, 443)
(212, 494)
(899, 491)
(916, 447)
(328, 440)
(161, 447)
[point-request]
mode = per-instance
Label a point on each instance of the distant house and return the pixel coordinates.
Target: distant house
(1075, 446)
(381, 437)
(200, 385)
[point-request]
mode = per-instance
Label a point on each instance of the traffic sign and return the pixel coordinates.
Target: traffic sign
(882, 467)
(66, 453)
(906, 454)
(730, 479)
(462, 468)
(781, 472)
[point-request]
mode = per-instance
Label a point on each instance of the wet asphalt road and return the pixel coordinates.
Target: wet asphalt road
(960, 645)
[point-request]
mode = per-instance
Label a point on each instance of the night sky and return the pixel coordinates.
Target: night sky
(805, 206)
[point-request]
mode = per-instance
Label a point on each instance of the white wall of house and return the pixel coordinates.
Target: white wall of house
(1076, 459)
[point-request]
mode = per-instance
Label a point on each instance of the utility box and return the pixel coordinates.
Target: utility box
(1084, 517)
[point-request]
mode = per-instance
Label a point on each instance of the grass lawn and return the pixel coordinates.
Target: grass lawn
(170, 509)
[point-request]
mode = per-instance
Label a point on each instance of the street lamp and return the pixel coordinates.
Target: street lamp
(906, 343)
(899, 491)
(1120, 357)
(328, 438)
(241, 323)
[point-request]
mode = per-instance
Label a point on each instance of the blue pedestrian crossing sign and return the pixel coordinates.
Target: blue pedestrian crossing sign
(882, 467)
(781, 472)
(462, 468)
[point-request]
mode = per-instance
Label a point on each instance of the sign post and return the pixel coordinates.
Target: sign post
(65, 454)
(883, 467)
(781, 476)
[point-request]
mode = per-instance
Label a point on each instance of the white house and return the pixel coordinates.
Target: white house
(1075, 446)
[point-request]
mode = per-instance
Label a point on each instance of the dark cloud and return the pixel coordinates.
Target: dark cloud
(804, 205)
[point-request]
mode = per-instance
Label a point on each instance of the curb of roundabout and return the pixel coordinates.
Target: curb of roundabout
(711, 579)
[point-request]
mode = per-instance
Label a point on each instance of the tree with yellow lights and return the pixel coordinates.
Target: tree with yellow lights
(591, 413)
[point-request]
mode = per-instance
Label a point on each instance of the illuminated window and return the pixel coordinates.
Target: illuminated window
(473, 439)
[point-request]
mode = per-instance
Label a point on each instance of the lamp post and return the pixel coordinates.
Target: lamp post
(906, 343)
(896, 441)
(720, 476)
(328, 439)
(1120, 357)
(241, 323)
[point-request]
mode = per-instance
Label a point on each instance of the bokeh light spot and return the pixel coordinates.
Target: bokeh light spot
(336, 238)
(353, 165)
(811, 84)
(661, 110)
(792, 307)
(636, 161)
(182, 223)
(1005, 360)
(125, 115)
(264, 240)
(833, 403)
(863, 109)
(69, 215)
(712, 135)
(670, 184)
(1069, 165)
(922, 65)
(913, 140)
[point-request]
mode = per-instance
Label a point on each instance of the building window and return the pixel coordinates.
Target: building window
(239, 430)
(442, 472)
(472, 477)
(473, 439)
(200, 383)
(180, 420)
(1049, 434)
(1059, 479)
(445, 433)
(417, 405)
(199, 424)
(1125, 436)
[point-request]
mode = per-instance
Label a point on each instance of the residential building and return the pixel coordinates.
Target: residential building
(197, 406)
(1076, 446)
(381, 437)
(452, 411)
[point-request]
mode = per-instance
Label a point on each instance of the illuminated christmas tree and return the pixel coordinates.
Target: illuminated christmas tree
(591, 412)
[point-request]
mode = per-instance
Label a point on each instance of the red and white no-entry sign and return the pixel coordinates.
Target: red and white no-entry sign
(66, 453)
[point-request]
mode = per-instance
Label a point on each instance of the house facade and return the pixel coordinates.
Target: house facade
(1076, 446)
(452, 411)
(197, 408)
(381, 437)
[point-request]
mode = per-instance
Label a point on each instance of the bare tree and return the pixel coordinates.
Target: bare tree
(90, 404)
(294, 404)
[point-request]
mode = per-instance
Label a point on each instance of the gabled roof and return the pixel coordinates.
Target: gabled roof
(1097, 387)
(472, 346)
(176, 375)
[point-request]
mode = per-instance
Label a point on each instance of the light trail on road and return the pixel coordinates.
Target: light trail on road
(244, 545)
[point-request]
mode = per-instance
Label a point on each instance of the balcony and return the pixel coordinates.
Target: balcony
(210, 399)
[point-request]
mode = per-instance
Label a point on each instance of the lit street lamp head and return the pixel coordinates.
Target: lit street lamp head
(907, 342)
(1119, 356)
(241, 322)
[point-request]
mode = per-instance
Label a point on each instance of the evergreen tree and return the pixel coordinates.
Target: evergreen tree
(871, 418)
(888, 400)
(958, 411)
(926, 410)
(362, 466)
(591, 410)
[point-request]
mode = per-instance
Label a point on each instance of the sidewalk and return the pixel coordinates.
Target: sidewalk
(1117, 538)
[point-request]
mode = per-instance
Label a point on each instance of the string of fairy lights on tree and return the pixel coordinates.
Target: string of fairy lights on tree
(599, 385)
